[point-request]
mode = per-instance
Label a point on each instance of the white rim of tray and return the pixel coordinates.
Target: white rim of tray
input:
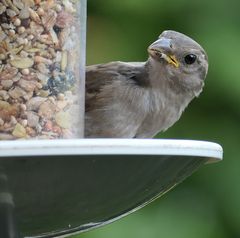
(111, 147)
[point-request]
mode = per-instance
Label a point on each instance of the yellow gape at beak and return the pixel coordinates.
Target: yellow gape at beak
(171, 60)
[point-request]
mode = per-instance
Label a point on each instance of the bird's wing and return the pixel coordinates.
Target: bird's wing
(102, 75)
(97, 77)
(112, 100)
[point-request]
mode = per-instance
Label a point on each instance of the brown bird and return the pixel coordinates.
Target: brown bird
(140, 99)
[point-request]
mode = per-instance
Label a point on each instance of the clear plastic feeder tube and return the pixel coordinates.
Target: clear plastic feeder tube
(42, 68)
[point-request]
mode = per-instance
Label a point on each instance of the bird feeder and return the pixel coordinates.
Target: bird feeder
(56, 188)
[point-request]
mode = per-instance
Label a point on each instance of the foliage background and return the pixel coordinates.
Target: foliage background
(208, 203)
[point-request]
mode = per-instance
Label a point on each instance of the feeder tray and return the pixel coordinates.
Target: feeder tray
(57, 188)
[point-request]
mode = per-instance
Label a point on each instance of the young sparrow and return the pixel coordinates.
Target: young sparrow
(140, 99)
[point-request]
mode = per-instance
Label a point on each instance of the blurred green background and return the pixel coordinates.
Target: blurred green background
(208, 203)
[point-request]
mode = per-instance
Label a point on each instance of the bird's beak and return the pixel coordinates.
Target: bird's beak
(161, 49)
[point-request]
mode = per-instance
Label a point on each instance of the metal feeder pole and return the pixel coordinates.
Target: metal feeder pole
(8, 227)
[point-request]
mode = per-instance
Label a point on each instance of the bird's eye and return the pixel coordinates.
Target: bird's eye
(190, 59)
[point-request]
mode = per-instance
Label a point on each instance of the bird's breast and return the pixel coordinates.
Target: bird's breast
(166, 107)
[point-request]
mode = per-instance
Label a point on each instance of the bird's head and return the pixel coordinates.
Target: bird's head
(181, 59)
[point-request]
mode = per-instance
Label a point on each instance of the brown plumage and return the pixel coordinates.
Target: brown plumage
(140, 99)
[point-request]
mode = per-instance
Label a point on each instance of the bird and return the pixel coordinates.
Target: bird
(141, 99)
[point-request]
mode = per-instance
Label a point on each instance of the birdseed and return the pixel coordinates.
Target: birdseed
(39, 69)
